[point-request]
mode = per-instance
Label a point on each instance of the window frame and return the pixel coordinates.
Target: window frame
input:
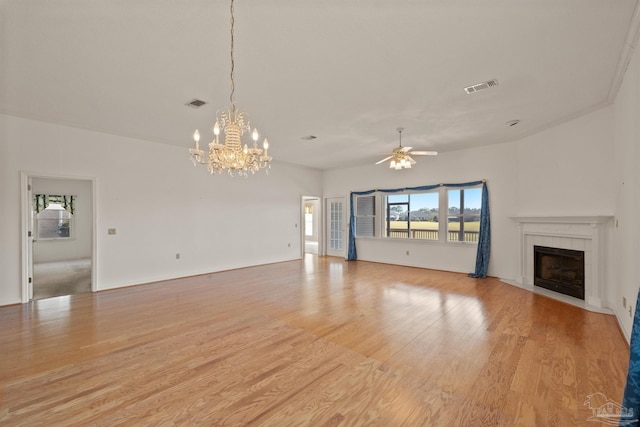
(41, 203)
(369, 216)
(381, 225)
(70, 226)
(461, 215)
(388, 220)
(410, 232)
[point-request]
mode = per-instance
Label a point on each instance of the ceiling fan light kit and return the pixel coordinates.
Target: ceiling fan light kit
(400, 158)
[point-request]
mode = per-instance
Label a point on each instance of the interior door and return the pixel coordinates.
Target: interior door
(30, 238)
(335, 220)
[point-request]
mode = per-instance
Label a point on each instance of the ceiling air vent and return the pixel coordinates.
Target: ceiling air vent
(480, 86)
(195, 103)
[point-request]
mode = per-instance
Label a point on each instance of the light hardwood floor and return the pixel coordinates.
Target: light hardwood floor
(318, 342)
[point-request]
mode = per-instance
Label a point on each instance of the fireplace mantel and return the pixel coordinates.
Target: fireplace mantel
(584, 233)
(562, 219)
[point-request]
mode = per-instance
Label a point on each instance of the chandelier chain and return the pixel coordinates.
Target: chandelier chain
(233, 63)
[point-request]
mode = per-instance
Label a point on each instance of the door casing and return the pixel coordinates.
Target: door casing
(27, 231)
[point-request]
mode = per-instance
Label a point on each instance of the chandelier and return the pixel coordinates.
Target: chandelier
(231, 156)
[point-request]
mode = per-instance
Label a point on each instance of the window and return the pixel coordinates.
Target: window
(365, 216)
(442, 214)
(54, 222)
(53, 216)
(463, 220)
(413, 216)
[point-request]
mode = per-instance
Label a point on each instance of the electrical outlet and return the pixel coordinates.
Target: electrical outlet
(288, 245)
(624, 302)
(177, 256)
(407, 252)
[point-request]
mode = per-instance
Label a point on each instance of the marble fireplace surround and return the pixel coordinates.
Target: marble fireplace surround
(583, 233)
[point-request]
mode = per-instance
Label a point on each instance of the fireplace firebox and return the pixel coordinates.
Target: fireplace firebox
(559, 270)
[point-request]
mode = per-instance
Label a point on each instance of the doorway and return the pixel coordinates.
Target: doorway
(335, 226)
(311, 224)
(59, 217)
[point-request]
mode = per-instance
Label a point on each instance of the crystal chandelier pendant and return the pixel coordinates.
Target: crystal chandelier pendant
(231, 156)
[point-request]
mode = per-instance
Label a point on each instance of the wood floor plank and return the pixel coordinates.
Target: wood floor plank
(318, 342)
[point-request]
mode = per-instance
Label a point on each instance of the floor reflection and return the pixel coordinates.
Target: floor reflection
(333, 288)
(54, 321)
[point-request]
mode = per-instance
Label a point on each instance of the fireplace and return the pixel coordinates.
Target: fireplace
(559, 270)
(590, 234)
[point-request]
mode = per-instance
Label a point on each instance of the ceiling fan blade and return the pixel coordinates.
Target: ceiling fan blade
(405, 149)
(384, 160)
(413, 162)
(425, 153)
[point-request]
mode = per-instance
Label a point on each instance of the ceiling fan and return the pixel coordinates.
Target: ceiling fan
(400, 158)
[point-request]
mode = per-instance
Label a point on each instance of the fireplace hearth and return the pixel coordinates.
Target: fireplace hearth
(559, 270)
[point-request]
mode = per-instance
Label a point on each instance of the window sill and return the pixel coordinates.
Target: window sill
(53, 239)
(419, 241)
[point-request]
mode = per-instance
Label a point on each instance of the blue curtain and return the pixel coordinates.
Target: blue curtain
(484, 237)
(352, 254)
(631, 397)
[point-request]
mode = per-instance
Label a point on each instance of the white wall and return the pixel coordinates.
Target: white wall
(80, 245)
(568, 169)
(158, 203)
(497, 164)
(565, 170)
(626, 191)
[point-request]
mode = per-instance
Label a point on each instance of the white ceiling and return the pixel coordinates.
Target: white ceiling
(348, 72)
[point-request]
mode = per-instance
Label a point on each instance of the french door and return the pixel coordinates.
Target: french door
(335, 226)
